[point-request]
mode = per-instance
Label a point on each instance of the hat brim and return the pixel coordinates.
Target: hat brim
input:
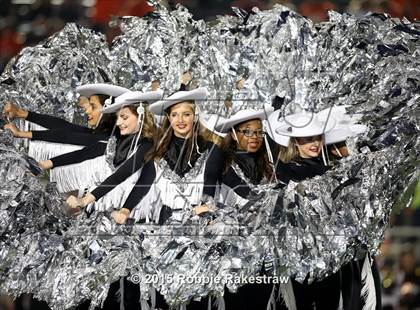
(88, 90)
(304, 125)
(279, 139)
(160, 107)
(242, 116)
(130, 98)
(340, 114)
(342, 133)
(210, 120)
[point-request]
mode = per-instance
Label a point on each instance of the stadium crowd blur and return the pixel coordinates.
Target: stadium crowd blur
(27, 22)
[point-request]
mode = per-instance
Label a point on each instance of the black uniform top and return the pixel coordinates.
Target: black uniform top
(296, 170)
(249, 293)
(177, 157)
(52, 122)
(128, 167)
(247, 162)
(88, 152)
(300, 169)
(62, 131)
(123, 146)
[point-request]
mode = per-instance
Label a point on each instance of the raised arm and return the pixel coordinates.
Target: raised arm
(88, 152)
(140, 190)
(213, 173)
(11, 111)
(129, 167)
(63, 136)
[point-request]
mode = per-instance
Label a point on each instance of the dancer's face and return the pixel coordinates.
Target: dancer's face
(309, 147)
(181, 117)
(93, 110)
(83, 103)
(250, 136)
(127, 121)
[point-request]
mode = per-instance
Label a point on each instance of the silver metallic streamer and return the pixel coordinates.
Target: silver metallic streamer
(370, 63)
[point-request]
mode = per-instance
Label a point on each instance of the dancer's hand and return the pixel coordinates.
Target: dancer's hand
(87, 199)
(155, 85)
(12, 111)
(121, 215)
(241, 83)
(18, 133)
(46, 164)
(186, 78)
(74, 202)
(201, 209)
(14, 130)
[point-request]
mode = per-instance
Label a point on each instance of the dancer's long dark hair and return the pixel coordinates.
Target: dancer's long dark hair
(107, 122)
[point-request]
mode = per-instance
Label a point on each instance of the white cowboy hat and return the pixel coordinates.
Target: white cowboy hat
(274, 120)
(160, 107)
(242, 116)
(340, 114)
(210, 121)
(304, 125)
(132, 97)
(88, 90)
(341, 132)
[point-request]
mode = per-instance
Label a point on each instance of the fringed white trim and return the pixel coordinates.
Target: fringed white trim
(149, 207)
(71, 177)
(209, 303)
(82, 175)
(288, 295)
(271, 305)
(165, 192)
(368, 293)
(172, 195)
(32, 126)
(116, 198)
(42, 150)
(183, 307)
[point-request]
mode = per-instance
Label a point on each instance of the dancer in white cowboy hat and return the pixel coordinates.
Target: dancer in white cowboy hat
(245, 153)
(304, 156)
(346, 127)
(173, 181)
(133, 140)
(244, 162)
(63, 132)
(62, 137)
(351, 274)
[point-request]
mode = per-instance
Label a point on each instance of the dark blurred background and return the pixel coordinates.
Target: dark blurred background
(27, 22)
